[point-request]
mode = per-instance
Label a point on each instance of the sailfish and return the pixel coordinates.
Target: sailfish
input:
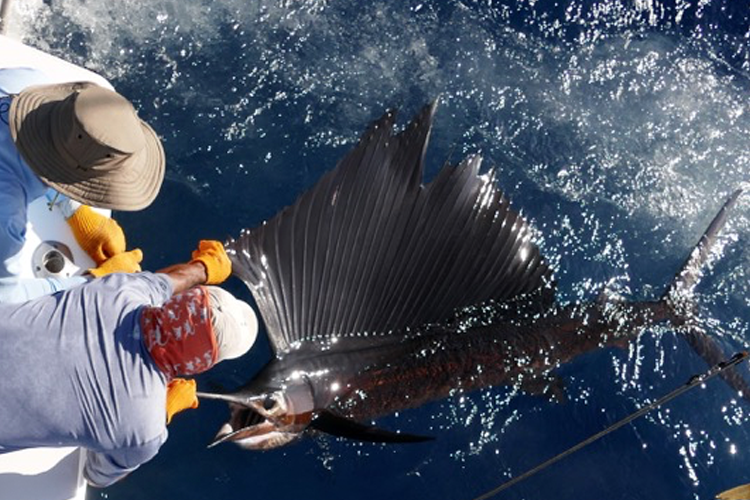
(380, 293)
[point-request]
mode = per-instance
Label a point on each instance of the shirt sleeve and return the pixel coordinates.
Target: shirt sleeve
(13, 214)
(146, 288)
(15, 290)
(12, 238)
(14, 80)
(158, 287)
(105, 468)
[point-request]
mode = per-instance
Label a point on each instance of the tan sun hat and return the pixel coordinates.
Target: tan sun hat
(88, 143)
(234, 323)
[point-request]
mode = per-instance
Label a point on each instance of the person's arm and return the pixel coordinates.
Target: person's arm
(14, 289)
(13, 220)
(100, 236)
(14, 80)
(210, 265)
(105, 468)
(185, 276)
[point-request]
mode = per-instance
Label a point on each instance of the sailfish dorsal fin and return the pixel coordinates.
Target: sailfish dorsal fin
(369, 249)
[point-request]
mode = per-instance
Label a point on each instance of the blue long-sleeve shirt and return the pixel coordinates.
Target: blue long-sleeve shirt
(74, 371)
(19, 186)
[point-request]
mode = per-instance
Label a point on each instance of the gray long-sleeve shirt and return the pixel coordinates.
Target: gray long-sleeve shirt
(74, 372)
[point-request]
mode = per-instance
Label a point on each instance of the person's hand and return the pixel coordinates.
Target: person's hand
(125, 262)
(99, 236)
(214, 258)
(180, 396)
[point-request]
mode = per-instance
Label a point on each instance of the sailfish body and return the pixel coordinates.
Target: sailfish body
(380, 293)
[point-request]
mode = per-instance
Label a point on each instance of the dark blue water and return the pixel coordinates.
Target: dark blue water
(618, 128)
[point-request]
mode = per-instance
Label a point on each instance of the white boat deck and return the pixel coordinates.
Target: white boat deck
(42, 474)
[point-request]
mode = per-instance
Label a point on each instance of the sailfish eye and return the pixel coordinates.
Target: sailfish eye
(269, 403)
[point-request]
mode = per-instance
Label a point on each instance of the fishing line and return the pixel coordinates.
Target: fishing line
(695, 380)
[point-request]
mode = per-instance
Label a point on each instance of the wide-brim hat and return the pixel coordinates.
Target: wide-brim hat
(88, 143)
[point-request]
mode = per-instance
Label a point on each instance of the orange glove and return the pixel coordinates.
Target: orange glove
(99, 236)
(213, 256)
(180, 396)
(125, 262)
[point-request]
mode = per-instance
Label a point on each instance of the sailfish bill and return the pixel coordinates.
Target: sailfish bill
(221, 397)
(380, 293)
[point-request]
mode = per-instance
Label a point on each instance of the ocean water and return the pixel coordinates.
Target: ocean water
(618, 128)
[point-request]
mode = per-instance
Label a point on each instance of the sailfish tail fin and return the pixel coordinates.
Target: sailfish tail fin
(679, 298)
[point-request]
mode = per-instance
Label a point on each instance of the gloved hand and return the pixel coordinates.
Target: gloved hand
(213, 256)
(125, 262)
(180, 396)
(99, 236)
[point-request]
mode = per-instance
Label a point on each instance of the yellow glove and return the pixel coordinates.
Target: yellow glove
(125, 262)
(99, 236)
(213, 256)
(180, 396)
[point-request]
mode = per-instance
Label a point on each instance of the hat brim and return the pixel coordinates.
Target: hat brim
(133, 188)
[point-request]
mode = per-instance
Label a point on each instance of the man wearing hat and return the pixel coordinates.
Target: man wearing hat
(85, 142)
(91, 366)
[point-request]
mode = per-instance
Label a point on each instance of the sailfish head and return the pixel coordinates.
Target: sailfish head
(266, 419)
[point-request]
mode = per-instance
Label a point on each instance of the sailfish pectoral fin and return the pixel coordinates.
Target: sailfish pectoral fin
(339, 426)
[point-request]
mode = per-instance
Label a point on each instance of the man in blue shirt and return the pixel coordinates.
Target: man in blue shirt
(87, 143)
(90, 366)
